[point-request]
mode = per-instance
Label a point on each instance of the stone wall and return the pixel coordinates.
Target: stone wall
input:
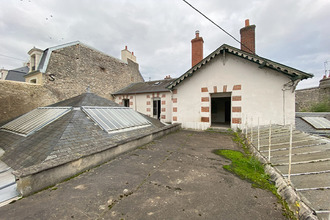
(306, 98)
(77, 67)
(17, 98)
(73, 69)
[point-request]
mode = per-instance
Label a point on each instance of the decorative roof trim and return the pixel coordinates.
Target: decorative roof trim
(292, 73)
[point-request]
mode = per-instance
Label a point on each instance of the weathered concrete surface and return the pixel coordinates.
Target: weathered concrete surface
(310, 171)
(175, 177)
(35, 178)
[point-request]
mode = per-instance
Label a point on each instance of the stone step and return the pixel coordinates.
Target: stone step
(305, 168)
(321, 180)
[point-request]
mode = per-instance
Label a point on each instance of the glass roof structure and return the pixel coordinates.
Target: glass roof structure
(318, 122)
(115, 118)
(34, 120)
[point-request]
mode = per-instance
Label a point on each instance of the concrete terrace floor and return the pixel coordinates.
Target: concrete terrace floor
(174, 177)
(310, 170)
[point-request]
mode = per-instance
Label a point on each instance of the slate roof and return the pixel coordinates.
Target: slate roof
(292, 73)
(73, 133)
(146, 87)
(17, 74)
(302, 125)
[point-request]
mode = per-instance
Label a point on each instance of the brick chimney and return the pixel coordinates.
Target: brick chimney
(248, 37)
(196, 49)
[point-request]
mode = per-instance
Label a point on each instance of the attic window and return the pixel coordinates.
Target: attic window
(35, 120)
(156, 83)
(113, 119)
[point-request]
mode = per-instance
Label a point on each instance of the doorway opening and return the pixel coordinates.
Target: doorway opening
(221, 109)
(156, 105)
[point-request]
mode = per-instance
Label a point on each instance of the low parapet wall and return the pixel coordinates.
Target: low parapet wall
(35, 178)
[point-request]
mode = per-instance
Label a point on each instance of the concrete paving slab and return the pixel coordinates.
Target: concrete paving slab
(319, 198)
(305, 168)
(311, 181)
(301, 150)
(277, 146)
(175, 177)
(311, 155)
(301, 158)
(323, 215)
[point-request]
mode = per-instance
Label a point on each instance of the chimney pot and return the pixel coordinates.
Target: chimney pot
(125, 47)
(247, 22)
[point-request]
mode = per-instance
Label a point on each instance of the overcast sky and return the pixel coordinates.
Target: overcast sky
(292, 32)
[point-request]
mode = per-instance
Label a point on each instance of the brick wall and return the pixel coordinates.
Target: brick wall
(17, 98)
(77, 67)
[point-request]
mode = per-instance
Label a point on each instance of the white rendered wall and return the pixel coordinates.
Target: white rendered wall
(143, 103)
(260, 92)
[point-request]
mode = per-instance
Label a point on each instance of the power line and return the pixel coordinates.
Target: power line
(217, 25)
(12, 57)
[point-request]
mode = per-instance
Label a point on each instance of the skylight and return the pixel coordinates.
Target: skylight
(318, 122)
(115, 118)
(35, 120)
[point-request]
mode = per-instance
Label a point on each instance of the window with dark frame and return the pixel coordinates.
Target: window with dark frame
(126, 102)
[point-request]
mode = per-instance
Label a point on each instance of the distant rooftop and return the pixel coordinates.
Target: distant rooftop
(17, 74)
(146, 87)
(313, 122)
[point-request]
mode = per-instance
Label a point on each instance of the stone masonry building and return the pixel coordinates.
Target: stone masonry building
(64, 71)
(67, 70)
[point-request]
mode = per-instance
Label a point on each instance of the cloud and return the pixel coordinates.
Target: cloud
(159, 32)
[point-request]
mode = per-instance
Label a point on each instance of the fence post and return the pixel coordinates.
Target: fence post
(269, 140)
(290, 153)
(258, 136)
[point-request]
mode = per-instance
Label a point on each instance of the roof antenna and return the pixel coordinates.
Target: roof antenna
(88, 90)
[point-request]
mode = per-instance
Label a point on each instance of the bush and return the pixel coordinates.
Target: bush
(321, 107)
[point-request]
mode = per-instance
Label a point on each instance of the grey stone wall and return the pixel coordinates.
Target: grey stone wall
(305, 98)
(17, 98)
(77, 67)
(74, 69)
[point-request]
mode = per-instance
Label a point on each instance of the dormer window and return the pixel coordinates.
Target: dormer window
(156, 83)
(35, 55)
(33, 62)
